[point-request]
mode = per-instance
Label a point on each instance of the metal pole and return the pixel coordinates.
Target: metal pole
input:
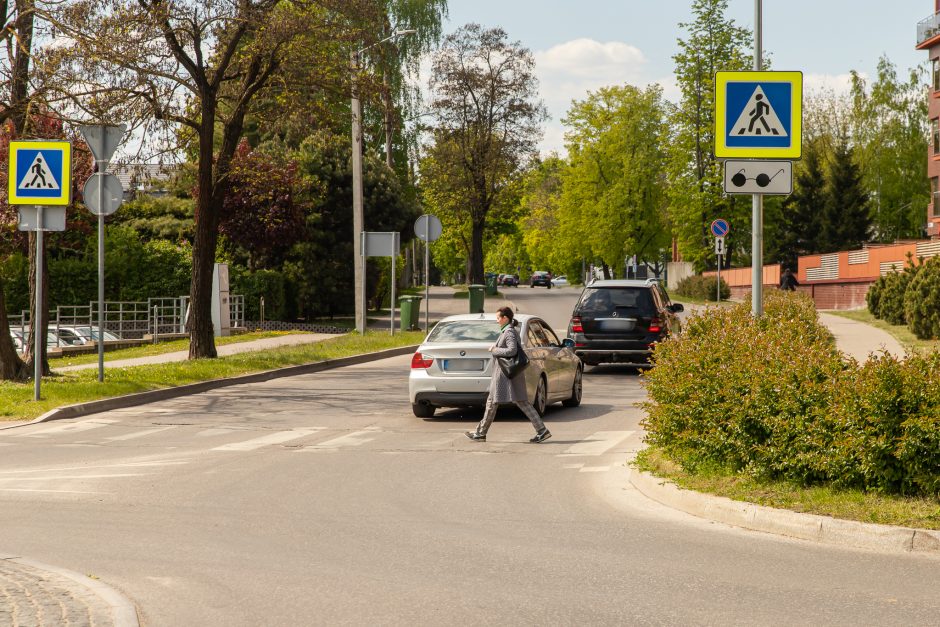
(358, 259)
(37, 309)
(156, 323)
(102, 166)
(427, 275)
(719, 279)
(391, 330)
(757, 203)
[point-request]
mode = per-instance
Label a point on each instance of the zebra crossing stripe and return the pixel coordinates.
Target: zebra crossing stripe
(279, 437)
(597, 443)
(72, 427)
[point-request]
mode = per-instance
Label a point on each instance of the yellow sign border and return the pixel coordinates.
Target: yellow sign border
(13, 175)
(794, 151)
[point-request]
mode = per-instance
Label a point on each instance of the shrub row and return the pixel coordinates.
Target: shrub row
(773, 398)
(702, 288)
(911, 297)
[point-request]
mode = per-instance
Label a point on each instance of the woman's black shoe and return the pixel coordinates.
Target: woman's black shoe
(541, 436)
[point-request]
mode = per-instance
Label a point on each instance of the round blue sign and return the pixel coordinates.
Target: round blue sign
(720, 227)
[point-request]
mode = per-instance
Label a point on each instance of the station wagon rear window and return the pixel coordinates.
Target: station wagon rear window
(465, 331)
(607, 300)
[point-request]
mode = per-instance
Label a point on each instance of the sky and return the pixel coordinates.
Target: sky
(581, 45)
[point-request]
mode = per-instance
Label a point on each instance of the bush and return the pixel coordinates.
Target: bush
(702, 288)
(922, 301)
(270, 284)
(873, 297)
(891, 296)
(772, 398)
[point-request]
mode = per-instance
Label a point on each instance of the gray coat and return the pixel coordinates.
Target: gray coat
(502, 389)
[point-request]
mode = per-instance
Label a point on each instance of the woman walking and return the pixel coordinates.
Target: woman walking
(504, 389)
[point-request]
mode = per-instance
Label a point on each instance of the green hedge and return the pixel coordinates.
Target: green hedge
(922, 301)
(702, 288)
(774, 399)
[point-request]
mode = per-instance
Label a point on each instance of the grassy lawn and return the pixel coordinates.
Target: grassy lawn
(921, 513)
(900, 332)
(161, 348)
(81, 386)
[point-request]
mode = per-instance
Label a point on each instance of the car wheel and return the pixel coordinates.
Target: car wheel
(576, 387)
(423, 410)
(541, 397)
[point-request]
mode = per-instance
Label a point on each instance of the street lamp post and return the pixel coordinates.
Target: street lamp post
(358, 258)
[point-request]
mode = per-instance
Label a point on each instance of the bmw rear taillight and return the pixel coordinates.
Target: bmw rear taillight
(421, 361)
(656, 325)
(576, 326)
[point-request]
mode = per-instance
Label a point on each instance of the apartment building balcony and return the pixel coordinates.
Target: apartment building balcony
(928, 32)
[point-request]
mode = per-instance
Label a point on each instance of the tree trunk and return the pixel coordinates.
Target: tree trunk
(11, 366)
(475, 270)
(201, 333)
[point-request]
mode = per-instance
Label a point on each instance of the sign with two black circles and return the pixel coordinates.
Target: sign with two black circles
(771, 178)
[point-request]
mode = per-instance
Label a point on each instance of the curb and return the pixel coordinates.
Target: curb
(140, 398)
(813, 527)
(123, 611)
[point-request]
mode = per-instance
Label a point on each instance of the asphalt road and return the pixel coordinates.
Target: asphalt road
(321, 499)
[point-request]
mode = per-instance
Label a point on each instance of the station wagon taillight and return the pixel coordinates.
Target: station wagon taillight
(576, 326)
(421, 361)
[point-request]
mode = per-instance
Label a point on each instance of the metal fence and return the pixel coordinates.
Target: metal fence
(126, 319)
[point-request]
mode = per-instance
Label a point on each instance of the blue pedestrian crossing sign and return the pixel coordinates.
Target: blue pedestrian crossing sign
(40, 173)
(758, 115)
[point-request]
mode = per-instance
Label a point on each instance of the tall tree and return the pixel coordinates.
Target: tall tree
(799, 228)
(845, 222)
(197, 66)
(890, 137)
(613, 200)
(696, 196)
(488, 116)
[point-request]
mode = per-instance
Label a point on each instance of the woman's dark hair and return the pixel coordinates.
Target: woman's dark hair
(507, 312)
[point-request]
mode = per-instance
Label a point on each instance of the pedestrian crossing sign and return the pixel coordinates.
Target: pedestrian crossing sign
(40, 173)
(758, 115)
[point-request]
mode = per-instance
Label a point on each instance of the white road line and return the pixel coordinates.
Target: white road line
(206, 433)
(144, 464)
(59, 477)
(352, 439)
(52, 491)
(278, 437)
(136, 434)
(597, 443)
(595, 469)
(72, 427)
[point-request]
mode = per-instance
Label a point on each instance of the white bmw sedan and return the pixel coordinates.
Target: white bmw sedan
(453, 366)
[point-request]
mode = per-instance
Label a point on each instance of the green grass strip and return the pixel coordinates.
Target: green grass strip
(81, 386)
(900, 332)
(919, 513)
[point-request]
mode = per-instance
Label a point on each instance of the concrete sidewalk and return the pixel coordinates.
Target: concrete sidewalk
(859, 340)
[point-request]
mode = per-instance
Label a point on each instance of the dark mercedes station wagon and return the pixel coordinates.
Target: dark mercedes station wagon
(619, 321)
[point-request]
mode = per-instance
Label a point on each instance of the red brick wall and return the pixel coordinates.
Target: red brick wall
(837, 295)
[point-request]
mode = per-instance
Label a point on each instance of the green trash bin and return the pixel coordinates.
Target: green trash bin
(476, 298)
(491, 285)
(410, 312)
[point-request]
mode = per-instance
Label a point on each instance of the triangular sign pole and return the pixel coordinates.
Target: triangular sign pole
(102, 139)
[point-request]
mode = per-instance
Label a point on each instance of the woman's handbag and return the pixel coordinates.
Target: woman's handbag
(512, 366)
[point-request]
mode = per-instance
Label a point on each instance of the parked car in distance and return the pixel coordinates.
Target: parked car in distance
(542, 278)
(619, 321)
(453, 366)
(80, 335)
(560, 281)
(509, 280)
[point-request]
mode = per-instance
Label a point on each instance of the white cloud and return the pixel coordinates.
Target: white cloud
(571, 69)
(840, 84)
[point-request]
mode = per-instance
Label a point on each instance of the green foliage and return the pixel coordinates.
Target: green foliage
(890, 290)
(922, 300)
(772, 398)
(890, 130)
(163, 217)
(269, 284)
(714, 42)
(612, 203)
(845, 222)
(702, 288)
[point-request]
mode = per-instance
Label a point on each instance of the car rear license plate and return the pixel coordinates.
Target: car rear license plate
(618, 324)
(464, 365)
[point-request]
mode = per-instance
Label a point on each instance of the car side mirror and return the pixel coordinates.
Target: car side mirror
(567, 342)
(677, 307)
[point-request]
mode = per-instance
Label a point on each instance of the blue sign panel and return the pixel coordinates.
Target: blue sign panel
(40, 173)
(758, 115)
(720, 227)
